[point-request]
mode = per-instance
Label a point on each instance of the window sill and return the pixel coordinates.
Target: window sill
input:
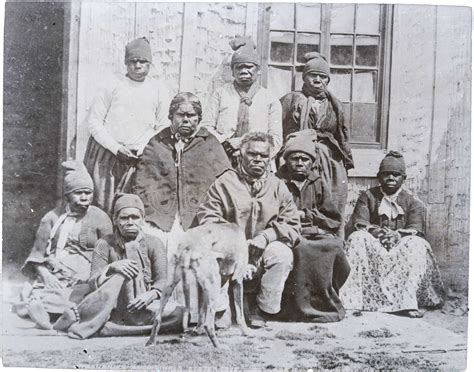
(366, 162)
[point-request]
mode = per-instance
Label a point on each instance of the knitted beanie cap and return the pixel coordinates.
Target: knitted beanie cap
(138, 48)
(127, 201)
(316, 62)
(299, 143)
(76, 177)
(245, 51)
(393, 162)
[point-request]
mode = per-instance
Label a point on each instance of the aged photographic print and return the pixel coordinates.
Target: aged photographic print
(236, 185)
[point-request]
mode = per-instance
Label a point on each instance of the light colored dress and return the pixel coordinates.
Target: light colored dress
(404, 276)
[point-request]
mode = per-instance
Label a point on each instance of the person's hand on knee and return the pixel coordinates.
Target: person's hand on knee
(142, 301)
(50, 281)
(128, 268)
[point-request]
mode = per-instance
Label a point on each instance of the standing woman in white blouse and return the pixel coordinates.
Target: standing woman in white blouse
(121, 121)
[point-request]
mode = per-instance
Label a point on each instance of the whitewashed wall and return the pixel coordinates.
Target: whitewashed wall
(429, 105)
(190, 44)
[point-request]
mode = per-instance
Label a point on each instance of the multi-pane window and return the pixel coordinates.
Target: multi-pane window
(354, 38)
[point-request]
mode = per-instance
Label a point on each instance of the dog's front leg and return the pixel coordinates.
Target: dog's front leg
(157, 321)
(187, 299)
(202, 305)
(238, 291)
(163, 301)
(209, 279)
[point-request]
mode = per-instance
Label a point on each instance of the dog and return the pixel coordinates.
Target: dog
(214, 254)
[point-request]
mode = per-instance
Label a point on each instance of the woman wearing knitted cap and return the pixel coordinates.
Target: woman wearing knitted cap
(128, 275)
(393, 267)
(61, 256)
(243, 106)
(320, 266)
(320, 115)
(122, 119)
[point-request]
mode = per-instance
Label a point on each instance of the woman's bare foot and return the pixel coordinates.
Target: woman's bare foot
(410, 313)
(415, 314)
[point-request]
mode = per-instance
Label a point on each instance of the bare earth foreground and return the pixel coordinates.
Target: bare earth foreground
(362, 340)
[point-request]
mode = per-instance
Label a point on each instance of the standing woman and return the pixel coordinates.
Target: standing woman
(122, 119)
(317, 113)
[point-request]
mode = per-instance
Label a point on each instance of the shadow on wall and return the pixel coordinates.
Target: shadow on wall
(33, 57)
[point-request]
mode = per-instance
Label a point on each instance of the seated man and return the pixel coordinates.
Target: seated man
(62, 252)
(320, 268)
(261, 204)
(393, 267)
(129, 272)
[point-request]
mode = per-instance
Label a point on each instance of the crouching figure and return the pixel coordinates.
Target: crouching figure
(128, 275)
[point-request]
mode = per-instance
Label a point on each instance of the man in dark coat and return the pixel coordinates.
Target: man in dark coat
(320, 267)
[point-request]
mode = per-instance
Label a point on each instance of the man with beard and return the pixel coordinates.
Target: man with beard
(62, 252)
(260, 203)
(321, 268)
(319, 114)
(243, 106)
(393, 267)
(128, 274)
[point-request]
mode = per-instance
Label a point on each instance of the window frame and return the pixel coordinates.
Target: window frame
(384, 68)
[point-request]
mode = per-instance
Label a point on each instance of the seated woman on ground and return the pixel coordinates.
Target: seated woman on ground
(128, 275)
(60, 260)
(393, 267)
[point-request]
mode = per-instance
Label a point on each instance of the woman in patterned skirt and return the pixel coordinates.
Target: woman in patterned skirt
(393, 267)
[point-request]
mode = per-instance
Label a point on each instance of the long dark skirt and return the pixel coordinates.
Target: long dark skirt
(312, 290)
(335, 175)
(106, 171)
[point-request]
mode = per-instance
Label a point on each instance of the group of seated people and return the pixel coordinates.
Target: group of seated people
(100, 270)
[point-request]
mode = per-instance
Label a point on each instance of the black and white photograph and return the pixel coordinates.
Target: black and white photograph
(236, 186)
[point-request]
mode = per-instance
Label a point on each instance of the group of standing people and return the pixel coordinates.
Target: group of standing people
(277, 168)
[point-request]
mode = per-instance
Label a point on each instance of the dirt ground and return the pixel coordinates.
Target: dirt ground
(362, 340)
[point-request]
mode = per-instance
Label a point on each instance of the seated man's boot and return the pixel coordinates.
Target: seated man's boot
(255, 316)
(257, 319)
